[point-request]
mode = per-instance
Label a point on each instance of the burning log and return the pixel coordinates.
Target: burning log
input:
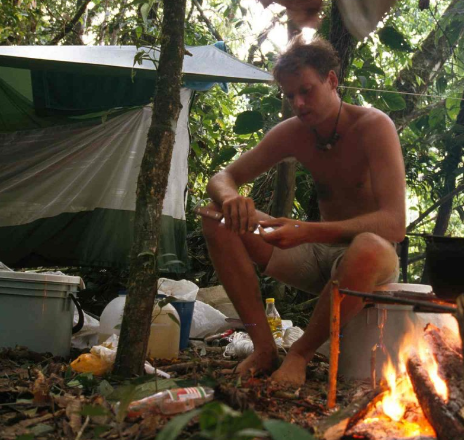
(446, 423)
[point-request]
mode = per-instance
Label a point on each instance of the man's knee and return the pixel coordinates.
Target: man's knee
(372, 249)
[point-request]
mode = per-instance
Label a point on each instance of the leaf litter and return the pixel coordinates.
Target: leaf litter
(42, 398)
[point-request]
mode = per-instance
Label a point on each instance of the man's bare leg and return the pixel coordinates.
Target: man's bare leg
(232, 256)
(369, 260)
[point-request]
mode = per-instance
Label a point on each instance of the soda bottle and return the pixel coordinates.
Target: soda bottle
(173, 401)
(273, 318)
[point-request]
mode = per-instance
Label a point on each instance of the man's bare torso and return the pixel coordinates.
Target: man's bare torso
(341, 175)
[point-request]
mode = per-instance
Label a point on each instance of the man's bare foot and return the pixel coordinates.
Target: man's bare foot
(292, 371)
(257, 363)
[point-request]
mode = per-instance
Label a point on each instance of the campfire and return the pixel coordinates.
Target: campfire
(422, 397)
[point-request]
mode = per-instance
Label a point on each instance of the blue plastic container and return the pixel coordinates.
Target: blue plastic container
(185, 311)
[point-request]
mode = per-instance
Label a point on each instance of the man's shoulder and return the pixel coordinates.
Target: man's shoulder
(370, 118)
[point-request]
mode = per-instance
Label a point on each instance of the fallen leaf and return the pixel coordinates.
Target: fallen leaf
(73, 412)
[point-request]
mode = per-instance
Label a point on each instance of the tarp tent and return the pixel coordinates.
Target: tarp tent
(67, 181)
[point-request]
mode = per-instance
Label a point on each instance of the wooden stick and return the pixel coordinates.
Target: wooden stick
(335, 300)
(430, 306)
(460, 318)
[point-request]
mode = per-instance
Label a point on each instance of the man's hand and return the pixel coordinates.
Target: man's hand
(302, 12)
(287, 233)
(240, 214)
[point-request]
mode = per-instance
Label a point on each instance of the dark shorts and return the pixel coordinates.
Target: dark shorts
(310, 266)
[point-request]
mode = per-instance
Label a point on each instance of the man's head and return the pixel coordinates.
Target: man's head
(307, 74)
(319, 55)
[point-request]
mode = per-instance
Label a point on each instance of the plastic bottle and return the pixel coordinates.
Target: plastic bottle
(174, 401)
(273, 318)
(164, 331)
(111, 317)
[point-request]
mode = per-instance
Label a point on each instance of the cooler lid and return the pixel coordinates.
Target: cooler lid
(41, 277)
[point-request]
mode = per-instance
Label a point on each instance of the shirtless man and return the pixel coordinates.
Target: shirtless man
(361, 187)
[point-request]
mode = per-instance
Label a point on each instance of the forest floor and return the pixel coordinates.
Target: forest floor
(42, 398)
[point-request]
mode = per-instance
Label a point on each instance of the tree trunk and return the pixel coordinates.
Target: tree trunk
(450, 165)
(426, 63)
(342, 41)
(151, 188)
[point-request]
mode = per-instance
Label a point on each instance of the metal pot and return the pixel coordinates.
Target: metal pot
(445, 266)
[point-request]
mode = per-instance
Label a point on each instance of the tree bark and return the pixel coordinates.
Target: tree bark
(151, 188)
(445, 423)
(450, 165)
(342, 41)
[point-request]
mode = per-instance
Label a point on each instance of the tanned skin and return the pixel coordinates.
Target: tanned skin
(361, 189)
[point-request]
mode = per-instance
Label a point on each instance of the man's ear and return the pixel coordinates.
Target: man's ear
(333, 79)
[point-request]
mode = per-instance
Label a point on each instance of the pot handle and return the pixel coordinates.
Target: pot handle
(80, 323)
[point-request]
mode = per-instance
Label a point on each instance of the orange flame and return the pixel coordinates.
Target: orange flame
(400, 397)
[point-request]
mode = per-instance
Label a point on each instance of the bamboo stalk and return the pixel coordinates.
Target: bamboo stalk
(335, 300)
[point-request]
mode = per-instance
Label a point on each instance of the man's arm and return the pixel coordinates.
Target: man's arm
(239, 212)
(383, 151)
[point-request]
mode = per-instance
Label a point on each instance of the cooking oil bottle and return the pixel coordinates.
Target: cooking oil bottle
(273, 318)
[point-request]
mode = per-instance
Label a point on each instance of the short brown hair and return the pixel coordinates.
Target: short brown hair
(319, 54)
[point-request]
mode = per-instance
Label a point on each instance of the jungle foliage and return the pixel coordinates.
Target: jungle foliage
(412, 68)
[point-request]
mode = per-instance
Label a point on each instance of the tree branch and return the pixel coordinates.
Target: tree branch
(440, 202)
(70, 25)
(208, 23)
(263, 36)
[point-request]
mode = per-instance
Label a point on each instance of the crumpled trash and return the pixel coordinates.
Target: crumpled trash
(183, 290)
(241, 345)
(101, 358)
(88, 336)
(207, 320)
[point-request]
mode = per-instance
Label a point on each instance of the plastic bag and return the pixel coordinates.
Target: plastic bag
(206, 321)
(88, 335)
(183, 290)
(91, 363)
(101, 358)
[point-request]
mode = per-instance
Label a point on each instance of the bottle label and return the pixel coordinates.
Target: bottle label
(187, 393)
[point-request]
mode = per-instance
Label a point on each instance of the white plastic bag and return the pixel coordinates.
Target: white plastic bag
(206, 321)
(87, 336)
(183, 290)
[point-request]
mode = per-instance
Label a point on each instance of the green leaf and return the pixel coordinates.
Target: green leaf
(138, 31)
(442, 82)
(144, 10)
(224, 156)
(394, 101)
(25, 437)
(41, 429)
(394, 39)
(248, 122)
(100, 429)
(269, 104)
(94, 411)
(105, 388)
(259, 89)
(175, 426)
(280, 430)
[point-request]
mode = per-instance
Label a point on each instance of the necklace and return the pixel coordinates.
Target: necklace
(327, 144)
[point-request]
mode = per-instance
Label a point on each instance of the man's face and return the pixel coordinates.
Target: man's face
(308, 94)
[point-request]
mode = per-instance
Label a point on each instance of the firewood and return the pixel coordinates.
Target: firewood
(446, 423)
(333, 427)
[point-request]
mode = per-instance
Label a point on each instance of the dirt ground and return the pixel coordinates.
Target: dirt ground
(42, 398)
